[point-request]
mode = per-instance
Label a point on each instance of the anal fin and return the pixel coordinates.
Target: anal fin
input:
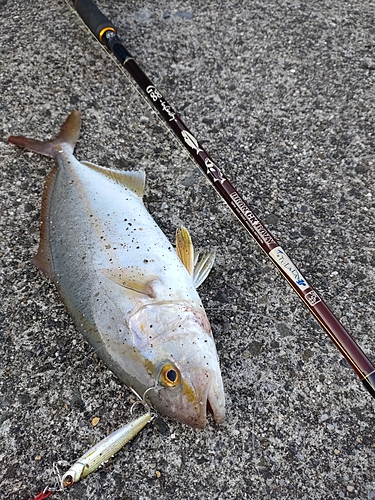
(134, 180)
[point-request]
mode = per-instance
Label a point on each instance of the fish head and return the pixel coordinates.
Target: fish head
(185, 380)
(187, 390)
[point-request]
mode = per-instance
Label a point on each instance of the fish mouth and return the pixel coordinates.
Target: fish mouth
(215, 404)
(211, 402)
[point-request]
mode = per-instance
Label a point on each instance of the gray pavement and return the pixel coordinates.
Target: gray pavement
(281, 94)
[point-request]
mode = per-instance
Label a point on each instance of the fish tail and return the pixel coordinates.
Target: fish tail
(68, 136)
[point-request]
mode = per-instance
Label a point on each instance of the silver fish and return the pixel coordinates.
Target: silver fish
(130, 294)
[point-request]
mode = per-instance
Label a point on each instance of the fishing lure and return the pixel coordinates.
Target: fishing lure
(103, 450)
(98, 454)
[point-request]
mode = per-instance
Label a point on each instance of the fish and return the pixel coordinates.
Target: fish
(129, 291)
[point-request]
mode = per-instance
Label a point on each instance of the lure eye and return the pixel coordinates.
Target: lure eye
(68, 481)
(169, 376)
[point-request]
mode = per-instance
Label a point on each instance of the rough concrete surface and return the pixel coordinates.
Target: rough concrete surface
(281, 94)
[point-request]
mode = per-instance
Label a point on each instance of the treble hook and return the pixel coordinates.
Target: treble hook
(47, 492)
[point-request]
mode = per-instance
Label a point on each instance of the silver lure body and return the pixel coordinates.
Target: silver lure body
(103, 450)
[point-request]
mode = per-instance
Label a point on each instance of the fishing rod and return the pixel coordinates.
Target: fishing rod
(106, 33)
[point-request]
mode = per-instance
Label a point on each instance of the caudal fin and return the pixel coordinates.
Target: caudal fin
(68, 136)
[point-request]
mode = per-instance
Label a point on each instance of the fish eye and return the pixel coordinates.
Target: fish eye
(169, 375)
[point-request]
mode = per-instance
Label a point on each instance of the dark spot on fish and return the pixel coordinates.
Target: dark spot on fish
(145, 261)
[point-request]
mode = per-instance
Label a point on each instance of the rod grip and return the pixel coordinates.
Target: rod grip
(93, 18)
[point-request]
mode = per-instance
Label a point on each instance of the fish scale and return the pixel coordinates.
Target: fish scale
(126, 288)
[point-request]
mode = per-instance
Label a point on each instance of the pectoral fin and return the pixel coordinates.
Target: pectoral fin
(133, 278)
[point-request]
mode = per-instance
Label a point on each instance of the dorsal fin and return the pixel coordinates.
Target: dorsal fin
(134, 180)
(133, 278)
(43, 258)
(185, 249)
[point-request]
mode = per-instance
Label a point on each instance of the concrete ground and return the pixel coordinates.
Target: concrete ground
(281, 95)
